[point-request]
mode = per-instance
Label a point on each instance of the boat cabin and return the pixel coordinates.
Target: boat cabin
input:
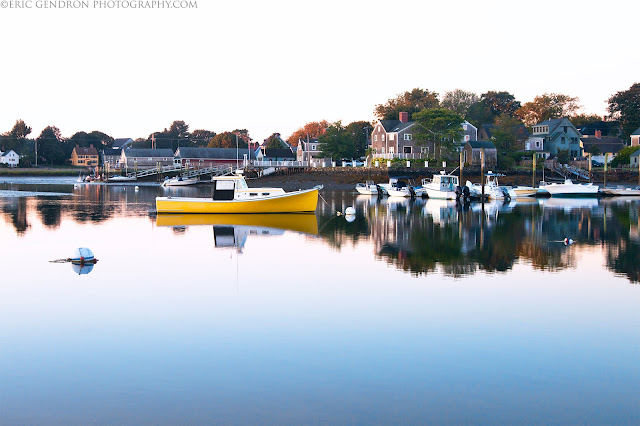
(227, 188)
(442, 182)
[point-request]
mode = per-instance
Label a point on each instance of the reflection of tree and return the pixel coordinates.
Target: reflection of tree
(15, 209)
(336, 230)
(50, 212)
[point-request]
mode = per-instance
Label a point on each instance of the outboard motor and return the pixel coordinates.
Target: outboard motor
(412, 192)
(380, 191)
(507, 197)
(466, 193)
(458, 192)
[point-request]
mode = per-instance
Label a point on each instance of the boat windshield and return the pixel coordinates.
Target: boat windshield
(241, 184)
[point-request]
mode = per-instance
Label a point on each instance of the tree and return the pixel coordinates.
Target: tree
(623, 156)
(595, 150)
(581, 120)
(226, 140)
(20, 130)
(50, 147)
(563, 156)
(459, 101)
(360, 132)
(625, 107)
(500, 103)
(202, 137)
(479, 114)
(312, 130)
(337, 142)
(179, 129)
(507, 135)
(410, 102)
(274, 142)
(548, 106)
(97, 139)
(440, 126)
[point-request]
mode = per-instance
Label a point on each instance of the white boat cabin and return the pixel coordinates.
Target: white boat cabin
(227, 188)
(442, 182)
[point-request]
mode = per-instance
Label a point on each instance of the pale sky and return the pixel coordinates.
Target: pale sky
(272, 66)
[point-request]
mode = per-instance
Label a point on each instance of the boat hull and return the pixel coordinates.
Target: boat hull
(291, 202)
(525, 191)
(440, 195)
(621, 192)
(571, 190)
(367, 190)
(184, 182)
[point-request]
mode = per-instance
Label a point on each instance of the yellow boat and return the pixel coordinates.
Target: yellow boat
(232, 195)
(305, 223)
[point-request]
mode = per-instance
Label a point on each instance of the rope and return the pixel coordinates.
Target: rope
(322, 198)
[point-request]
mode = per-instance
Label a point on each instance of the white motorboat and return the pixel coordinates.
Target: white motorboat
(369, 188)
(442, 186)
(492, 188)
(118, 178)
(621, 191)
(179, 181)
(570, 189)
(402, 187)
(525, 191)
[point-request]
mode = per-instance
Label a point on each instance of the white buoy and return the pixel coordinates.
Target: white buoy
(137, 187)
(350, 211)
(568, 241)
(82, 255)
(350, 217)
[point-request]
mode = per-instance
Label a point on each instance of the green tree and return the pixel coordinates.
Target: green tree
(226, 140)
(179, 129)
(459, 101)
(440, 126)
(98, 139)
(274, 142)
(337, 142)
(479, 113)
(411, 102)
(50, 146)
(360, 132)
(202, 137)
(20, 130)
(507, 135)
(625, 107)
(623, 156)
(581, 120)
(548, 106)
(563, 156)
(500, 103)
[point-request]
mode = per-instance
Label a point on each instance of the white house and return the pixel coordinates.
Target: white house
(10, 158)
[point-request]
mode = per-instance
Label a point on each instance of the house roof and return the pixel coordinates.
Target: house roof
(4, 154)
(481, 144)
(636, 153)
(121, 142)
(279, 153)
(607, 144)
(112, 151)
(636, 133)
(82, 150)
(607, 128)
(214, 153)
(148, 153)
(395, 125)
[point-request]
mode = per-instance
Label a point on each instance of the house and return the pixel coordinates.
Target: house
(83, 156)
(469, 133)
(209, 157)
(275, 154)
(472, 153)
(557, 134)
(635, 138)
(599, 146)
(397, 138)
(10, 158)
(634, 159)
(145, 158)
(111, 158)
(310, 150)
(122, 143)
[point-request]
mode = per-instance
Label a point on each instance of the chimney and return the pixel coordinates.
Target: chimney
(404, 117)
(598, 134)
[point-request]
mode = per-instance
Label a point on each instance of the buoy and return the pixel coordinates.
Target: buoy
(137, 187)
(350, 217)
(568, 241)
(350, 211)
(82, 255)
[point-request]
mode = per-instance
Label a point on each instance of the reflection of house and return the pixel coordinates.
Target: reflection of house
(599, 146)
(473, 153)
(111, 157)
(310, 151)
(275, 154)
(634, 158)
(145, 158)
(635, 138)
(83, 156)
(393, 137)
(208, 157)
(10, 158)
(557, 134)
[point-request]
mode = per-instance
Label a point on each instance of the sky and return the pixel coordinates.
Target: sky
(274, 66)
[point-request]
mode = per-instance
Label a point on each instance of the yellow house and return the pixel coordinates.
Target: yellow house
(81, 156)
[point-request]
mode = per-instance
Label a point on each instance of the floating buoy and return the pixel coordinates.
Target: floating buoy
(82, 255)
(350, 217)
(350, 211)
(137, 187)
(568, 241)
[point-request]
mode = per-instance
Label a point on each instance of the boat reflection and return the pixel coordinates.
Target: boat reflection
(232, 230)
(82, 268)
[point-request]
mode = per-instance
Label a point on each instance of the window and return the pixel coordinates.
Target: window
(466, 138)
(562, 139)
(375, 138)
(382, 150)
(406, 150)
(464, 127)
(408, 136)
(382, 138)
(565, 129)
(424, 150)
(313, 147)
(391, 137)
(391, 150)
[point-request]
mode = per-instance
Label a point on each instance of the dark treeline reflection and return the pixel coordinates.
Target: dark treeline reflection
(423, 236)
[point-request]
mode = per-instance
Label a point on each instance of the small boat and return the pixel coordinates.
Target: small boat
(570, 189)
(621, 191)
(492, 188)
(525, 191)
(118, 178)
(443, 187)
(231, 194)
(179, 181)
(403, 187)
(369, 188)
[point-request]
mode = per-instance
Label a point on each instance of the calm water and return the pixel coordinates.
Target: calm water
(416, 312)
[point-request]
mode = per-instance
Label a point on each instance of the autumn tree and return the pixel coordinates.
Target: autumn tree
(440, 126)
(312, 130)
(226, 140)
(459, 101)
(411, 102)
(624, 106)
(337, 142)
(548, 106)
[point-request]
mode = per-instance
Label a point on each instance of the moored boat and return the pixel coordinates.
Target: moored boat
(443, 187)
(525, 191)
(232, 195)
(492, 188)
(570, 189)
(402, 187)
(369, 188)
(621, 191)
(179, 181)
